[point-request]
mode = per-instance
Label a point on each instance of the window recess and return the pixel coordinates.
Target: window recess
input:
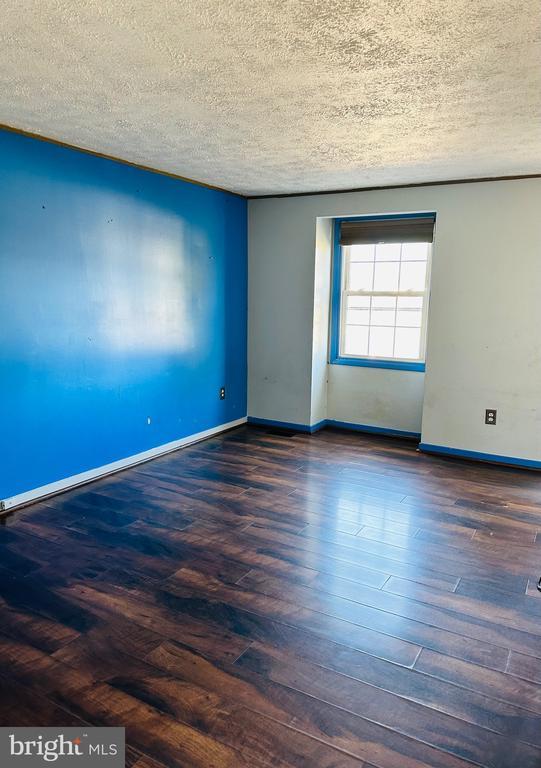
(380, 290)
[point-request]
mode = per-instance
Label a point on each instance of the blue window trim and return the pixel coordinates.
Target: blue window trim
(336, 293)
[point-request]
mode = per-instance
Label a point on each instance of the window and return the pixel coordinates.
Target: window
(381, 291)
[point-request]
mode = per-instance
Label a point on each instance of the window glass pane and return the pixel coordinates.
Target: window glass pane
(388, 252)
(414, 251)
(410, 302)
(361, 275)
(358, 302)
(407, 343)
(409, 317)
(381, 342)
(358, 317)
(383, 310)
(356, 340)
(383, 302)
(384, 326)
(412, 276)
(361, 252)
(386, 276)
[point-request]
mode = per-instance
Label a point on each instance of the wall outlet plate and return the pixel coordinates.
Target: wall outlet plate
(222, 393)
(490, 416)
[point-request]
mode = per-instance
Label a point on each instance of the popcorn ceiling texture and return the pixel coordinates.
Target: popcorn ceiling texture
(283, 95)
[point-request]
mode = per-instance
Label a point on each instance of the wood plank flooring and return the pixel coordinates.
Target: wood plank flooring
(271, 599)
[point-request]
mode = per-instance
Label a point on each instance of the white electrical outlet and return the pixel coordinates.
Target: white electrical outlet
(490, 416)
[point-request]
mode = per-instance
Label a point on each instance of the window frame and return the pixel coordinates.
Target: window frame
(336, 357)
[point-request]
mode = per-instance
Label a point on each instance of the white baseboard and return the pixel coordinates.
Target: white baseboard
(108, 469)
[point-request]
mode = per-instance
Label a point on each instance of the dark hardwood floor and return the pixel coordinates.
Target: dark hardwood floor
(265, 599)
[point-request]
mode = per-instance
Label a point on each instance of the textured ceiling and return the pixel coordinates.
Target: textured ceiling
(282, 95)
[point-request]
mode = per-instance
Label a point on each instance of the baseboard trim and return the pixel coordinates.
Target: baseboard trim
(28, 497)
(368, 428)
(311, 428)
(492, 458)
(293, 426)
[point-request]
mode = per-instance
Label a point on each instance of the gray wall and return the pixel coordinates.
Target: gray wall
(484, 323)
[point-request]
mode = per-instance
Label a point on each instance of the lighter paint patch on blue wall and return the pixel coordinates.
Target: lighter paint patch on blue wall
(123, 297)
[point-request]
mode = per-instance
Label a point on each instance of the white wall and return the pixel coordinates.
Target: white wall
(322, 301)
(376, 397)
(280, 310)
(484, 338)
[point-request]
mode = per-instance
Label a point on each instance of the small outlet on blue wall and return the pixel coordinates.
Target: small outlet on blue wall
(222, 393)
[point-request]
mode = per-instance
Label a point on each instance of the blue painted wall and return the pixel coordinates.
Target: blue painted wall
(123, 296)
